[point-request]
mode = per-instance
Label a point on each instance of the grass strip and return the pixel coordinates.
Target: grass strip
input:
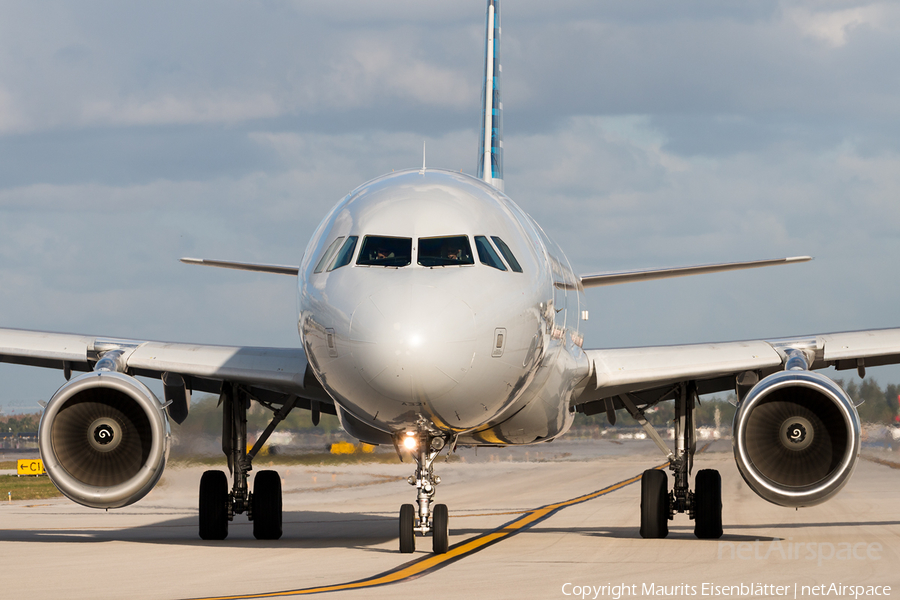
(26, 488)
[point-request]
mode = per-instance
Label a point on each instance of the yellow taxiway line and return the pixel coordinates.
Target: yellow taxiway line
(433, 562)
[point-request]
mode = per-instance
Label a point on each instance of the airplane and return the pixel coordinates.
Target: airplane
(435, 313)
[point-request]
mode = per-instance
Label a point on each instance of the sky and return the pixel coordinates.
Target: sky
(638, 134)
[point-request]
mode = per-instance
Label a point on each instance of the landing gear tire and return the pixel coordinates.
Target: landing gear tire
(213, 506)
(440, 523)
(654, 504)
(267, 505)
(708, 505)
(407, 533)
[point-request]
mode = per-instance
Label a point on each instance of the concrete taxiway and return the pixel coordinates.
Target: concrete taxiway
(341, 527)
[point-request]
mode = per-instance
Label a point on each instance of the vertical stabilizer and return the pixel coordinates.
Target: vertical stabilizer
(490, 155)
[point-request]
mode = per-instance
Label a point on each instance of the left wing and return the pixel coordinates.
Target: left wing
(104, 436)
(275, 373)
(650, 373)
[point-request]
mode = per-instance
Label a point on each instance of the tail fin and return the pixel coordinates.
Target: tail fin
(490, 155)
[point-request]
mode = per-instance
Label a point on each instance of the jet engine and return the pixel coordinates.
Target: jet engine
(796, 438)
(104, 439)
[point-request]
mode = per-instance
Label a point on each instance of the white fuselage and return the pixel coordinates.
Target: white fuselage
(487, 352)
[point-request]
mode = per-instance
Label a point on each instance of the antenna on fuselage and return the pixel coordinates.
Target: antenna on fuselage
(490, 155)
(422, 172)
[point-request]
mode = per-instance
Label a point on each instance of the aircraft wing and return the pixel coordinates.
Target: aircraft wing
(272, 374)
(617, 277)
(651, 374)
(243, 266)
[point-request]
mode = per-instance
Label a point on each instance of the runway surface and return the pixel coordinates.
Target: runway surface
(524, 523)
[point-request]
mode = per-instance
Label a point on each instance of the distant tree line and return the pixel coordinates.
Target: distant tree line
(12, 424)
(662, 415)
(205, 418)
(879, 406)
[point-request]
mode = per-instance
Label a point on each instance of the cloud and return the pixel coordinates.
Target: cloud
(373, 68)
(617, 202)
(11, 119)
(834, 26)
(109, 65)
(225, 108)
(637, 134)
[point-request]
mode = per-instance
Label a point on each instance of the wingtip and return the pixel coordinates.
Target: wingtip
(798, 258)
(192, 261)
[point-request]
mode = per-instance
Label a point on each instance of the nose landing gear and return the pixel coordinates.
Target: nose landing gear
(424, 517)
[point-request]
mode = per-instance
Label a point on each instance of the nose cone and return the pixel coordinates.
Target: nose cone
(413, 343)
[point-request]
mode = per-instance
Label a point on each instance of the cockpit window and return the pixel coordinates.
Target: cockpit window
(486, 253)
(345, 254)
(445, 251)
(379, 251)
(507, 254)
(328, 255)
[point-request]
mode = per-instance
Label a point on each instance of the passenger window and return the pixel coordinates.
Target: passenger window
(329, 253)
(346, 253)
(507, 254)
(380, 251)
(486, 253)
(445, 251)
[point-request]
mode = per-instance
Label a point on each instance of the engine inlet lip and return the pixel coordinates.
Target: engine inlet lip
(808, 495)
(128, 491)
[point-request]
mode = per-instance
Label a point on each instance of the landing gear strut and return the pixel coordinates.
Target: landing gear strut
(658, 506)
(424, 517)
(263, 505)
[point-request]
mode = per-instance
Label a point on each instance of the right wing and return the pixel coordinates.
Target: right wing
(651, 373)
(796, 434)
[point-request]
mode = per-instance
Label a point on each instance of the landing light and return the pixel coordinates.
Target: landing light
(410, 442)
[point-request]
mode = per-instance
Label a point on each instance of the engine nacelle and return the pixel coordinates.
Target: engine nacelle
(104, 439)
(796, 438)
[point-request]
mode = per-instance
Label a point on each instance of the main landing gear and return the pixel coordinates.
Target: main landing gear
(263, 505)
(658, 505)
(424, 517)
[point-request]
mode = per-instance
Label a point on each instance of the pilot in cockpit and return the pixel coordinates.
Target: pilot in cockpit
(451, 253)
(382, 253)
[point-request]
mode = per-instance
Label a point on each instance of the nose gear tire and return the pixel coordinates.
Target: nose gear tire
(441, 531)
(407, 533)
